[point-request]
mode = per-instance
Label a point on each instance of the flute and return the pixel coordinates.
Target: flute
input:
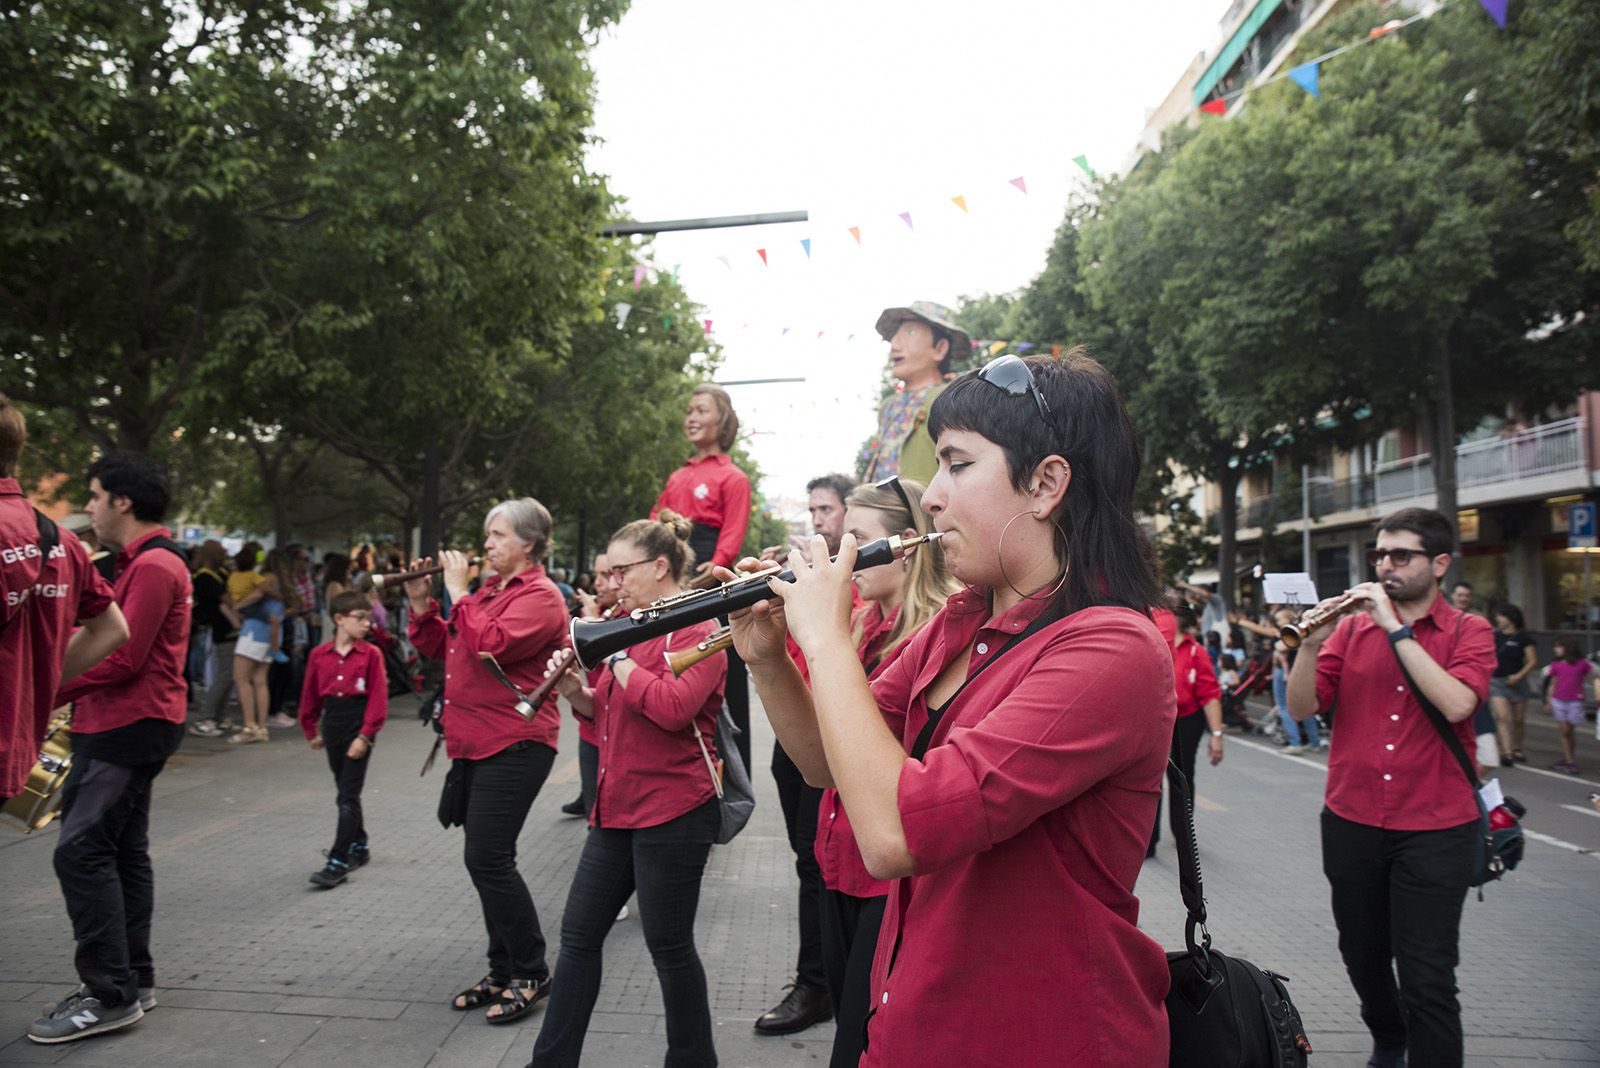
(380, 581)
(1292, 634)
(564, 661)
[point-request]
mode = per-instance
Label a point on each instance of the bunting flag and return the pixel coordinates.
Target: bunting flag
(1496, 10)
(1218, 106)
(676, 267)
(666, 322)
(725, 262)
(763, 254)
(819, 335)
(1305, 76)
(785, 332)
(960, 202)
(905, 217)
(622, 310)
(1083, 162)
(855, 232)
(638, 278)
(805, 243)
(708, 328)
(1024, 346)
(1020, 183)
(1055, 350)
(1386, 29)
(994, 350)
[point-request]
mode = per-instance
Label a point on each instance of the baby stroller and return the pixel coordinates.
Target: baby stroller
(1255, 676)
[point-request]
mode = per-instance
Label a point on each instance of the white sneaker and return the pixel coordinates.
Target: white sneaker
(1294, 749)
(623, 914)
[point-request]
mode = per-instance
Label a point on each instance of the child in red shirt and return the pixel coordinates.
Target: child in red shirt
(347, 690)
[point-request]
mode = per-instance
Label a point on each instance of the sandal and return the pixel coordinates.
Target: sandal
(518, 1000)
(482, 992)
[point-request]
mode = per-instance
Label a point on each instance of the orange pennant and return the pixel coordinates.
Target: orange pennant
(855, 232)
(960, 202)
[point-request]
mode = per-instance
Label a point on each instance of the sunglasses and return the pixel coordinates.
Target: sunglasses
(1400, 557)
(1011, 375)
(893, 481)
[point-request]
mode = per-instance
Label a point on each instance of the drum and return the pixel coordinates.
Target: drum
(40, 798)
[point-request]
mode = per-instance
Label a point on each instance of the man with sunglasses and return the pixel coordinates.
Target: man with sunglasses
(1398, 827)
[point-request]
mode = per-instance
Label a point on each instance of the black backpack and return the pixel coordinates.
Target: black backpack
(1220, 1009)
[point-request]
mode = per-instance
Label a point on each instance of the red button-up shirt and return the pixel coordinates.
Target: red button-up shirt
(40, 600)
(651, 767)
(712, 491)
(144, 678)
(357, 673)
(522, 622)
(837, 853)
(1017, 942)
(1388, 766)
(1195, 678)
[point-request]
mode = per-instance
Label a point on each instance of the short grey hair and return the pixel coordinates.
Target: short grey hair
(530, 522)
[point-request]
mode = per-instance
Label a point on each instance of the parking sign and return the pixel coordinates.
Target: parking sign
(1580, 526)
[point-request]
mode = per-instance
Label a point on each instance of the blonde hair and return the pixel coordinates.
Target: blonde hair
(666, 535)
(727, 418)
(928, 582)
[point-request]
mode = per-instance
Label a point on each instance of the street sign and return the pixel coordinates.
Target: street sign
(1580, 526)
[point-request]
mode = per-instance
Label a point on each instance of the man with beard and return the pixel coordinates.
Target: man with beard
(1398, 828)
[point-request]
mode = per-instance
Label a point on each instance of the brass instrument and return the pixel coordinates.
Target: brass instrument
(681, 660)
(380, 581)
(594, 640)
(1292, 634)
(40, 799)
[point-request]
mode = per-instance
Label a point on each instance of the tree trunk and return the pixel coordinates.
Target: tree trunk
(1228, 529)
(430, 500)
(1443, 432)
(583, 542)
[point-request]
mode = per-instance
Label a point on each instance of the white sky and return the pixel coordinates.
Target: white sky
(857, 112)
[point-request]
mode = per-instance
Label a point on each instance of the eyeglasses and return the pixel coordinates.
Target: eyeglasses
(616, 571)
(1010, 375)
(893, 482)
(1400, 557)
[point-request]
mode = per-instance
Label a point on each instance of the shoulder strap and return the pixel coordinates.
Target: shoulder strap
(1190, 885)
(1436, 717)
(167, 544)
(919, 748)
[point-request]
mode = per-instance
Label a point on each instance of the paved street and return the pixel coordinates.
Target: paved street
(257, 968)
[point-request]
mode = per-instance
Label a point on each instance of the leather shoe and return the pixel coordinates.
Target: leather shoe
(575, 808)
(802, 1006)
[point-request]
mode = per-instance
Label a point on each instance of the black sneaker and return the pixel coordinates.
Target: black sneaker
(336, 872)
(81, 1015)
(575, 808)
(359, 855)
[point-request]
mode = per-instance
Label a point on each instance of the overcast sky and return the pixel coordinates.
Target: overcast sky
(857, 112)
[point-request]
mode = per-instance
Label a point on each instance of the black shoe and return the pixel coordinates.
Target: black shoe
(1387, 1057)
(359, 855)
(803, 1006)
(576, 808)
(81, 1015)
(331, 876)
(519, 999)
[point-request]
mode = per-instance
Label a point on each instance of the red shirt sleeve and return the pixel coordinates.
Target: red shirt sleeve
(526, 626)
(1473, 659)
(311, 694)
(1206, 687)
(735, 517)
(1330, 664)
(149, 597)
(428, 632)
(377, 694)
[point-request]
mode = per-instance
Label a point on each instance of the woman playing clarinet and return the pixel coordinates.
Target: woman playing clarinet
(519, 617)
(1012, 809)
(655, 809)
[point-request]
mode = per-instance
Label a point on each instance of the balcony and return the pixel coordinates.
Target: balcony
(1551, 450)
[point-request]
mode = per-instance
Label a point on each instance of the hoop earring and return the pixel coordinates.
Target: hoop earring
(1000, 558)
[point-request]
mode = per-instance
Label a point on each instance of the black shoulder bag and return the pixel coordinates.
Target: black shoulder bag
(1495, 851)
(1221, 1009)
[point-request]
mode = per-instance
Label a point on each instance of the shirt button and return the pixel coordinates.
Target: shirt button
(832, 814)
(339, 678)
(983, 647)
(1399, 689)
(886, 997)
(1386, 778)
(1395, 716)
(1390, 748)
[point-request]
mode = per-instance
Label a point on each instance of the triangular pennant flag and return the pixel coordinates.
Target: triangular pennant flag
(785, 332)
(960, 202)
(725, 262)
(994, 350)
(855, 232)
(977, 344)
(819, 335)
(805, 243)
(852, 337)
(1305, 76)
(763, 254)
(905, 217)
(1020, 183)
(666, 321)
(1024, 346)
(622, 311)
(676, 267)
(708, 328)
(1055, 350)
(1496, 10)
(1218, 106)
(638, 277)
(1083, 162)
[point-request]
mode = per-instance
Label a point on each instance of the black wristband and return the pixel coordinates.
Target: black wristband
(1398, 636)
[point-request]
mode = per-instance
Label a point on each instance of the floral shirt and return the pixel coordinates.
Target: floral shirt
(896, 421)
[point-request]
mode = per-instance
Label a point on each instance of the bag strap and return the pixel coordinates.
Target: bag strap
(49, 538)
(1436, 717)
(1190, 884)
(919, 748)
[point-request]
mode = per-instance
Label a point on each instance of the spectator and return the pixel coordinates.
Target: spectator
(1509, 690)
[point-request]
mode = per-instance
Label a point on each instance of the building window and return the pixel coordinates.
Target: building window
(1564, 591)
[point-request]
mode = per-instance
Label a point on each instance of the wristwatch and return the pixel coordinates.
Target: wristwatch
(1216, 734)
(1400, 635)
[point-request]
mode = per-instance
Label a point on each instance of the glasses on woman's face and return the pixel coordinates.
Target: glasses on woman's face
(1400, 557)
(1011, 375)
(615, 572)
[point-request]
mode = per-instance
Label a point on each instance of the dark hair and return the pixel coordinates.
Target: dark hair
(1185, 618)
(1104, 549)
(137, 477)
(1437, 535)
(666, 535)
(1462, 584)
(336, 568)
(836, 482)
(13, 436)
(1511, 612)
(348, 601)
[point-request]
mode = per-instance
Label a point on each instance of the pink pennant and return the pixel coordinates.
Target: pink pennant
(638, 277)
(1020, 183)
(763, 254)
(708, 328)
(905, 217)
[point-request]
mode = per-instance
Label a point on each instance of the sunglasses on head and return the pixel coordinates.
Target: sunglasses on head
(1012, 376)
(893, 481)
(1401, 557)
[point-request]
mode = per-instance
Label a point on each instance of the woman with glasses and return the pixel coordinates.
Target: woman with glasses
(1012, 809)
(500, 758)
(655, 809)
(897, 602)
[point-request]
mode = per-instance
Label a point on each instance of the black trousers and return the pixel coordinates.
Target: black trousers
(102, 860)
(664, 864)
(339, 729)
(1397, 898)
(500, 790)
(736, 692)
(588, 772)
(849, 940)
(1186, 734)
(799, 803)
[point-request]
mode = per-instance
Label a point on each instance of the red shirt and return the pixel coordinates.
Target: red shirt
(1028, 820)
(1194, 676)
(651, 767)
(522, 622)
(710, 490)
(357, 673)
(144, 678)
(1388, 766)
(40, 600)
